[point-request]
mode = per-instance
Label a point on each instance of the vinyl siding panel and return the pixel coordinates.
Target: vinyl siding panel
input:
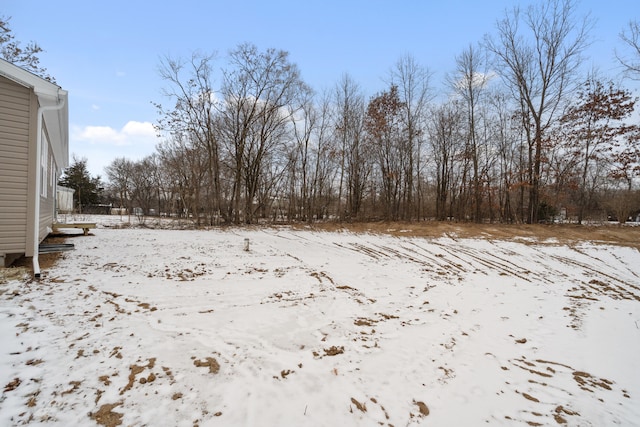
(13, 150)
(15, 108)
(47, 207)
(14, 197)
(11, 221)
(13, 131)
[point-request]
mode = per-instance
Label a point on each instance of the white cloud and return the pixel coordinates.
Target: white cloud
(100, 135)
(95, 107)
(132, 133)
(139, 129)
(100, 145)
(120, 74)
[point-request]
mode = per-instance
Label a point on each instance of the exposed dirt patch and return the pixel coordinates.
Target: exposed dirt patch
(447, 374)
(106, 417)
(363, 321)
(13, 384)
(13, 273)
(333, 350)
(32, 401)
(142, 305)
(147, 306)
(560, 411)
(587, 382)
(116, 352)
(322, 275)
(285, 373)
(551, 374)
(168, 373)
(135, 370)
(209, 362)
(360, 406)
(387, 316)
(424, 409)
(75, 385)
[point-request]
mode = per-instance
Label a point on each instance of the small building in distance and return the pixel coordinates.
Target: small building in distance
(65, 199)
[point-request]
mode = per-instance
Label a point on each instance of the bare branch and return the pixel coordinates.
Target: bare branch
(631, 37)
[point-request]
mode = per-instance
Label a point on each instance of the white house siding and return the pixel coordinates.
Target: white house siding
(15, 108)
(48, 201)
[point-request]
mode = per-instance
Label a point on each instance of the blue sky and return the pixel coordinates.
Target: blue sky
(106, 53)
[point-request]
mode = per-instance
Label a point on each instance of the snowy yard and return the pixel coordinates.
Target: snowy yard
(312, 328)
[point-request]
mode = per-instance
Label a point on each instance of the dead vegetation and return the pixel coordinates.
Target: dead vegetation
(23, 266)
(622, 235)
(626, 235)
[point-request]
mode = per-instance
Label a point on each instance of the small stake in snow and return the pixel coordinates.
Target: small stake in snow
(246, 245)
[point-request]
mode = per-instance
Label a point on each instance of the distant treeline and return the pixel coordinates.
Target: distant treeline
(522, 135)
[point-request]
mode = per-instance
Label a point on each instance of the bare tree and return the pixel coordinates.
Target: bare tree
(325, 168)
(144, 184)
(119, 173)
(304, 124)
(186, 164)
(413, 83)
(190, 88)
(505, 138)
(631, 37)
(470, 82)
(445, 138)
(261, 91)
(354, 158)
(539, 70)
(622, 203)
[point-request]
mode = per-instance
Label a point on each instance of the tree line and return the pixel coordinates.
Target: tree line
(523, 135)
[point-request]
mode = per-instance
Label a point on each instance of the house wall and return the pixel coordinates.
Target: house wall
(15, 128)
(47, 186)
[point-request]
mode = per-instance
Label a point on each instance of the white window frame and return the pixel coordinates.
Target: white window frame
(44, 165)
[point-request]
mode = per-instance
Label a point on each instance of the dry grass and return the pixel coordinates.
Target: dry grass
(626, 235)
(558, 233)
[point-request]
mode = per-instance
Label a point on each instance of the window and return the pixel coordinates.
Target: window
(44, 165)
(53, 174)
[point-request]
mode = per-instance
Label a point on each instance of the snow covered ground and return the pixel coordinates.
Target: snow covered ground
(310, 328)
